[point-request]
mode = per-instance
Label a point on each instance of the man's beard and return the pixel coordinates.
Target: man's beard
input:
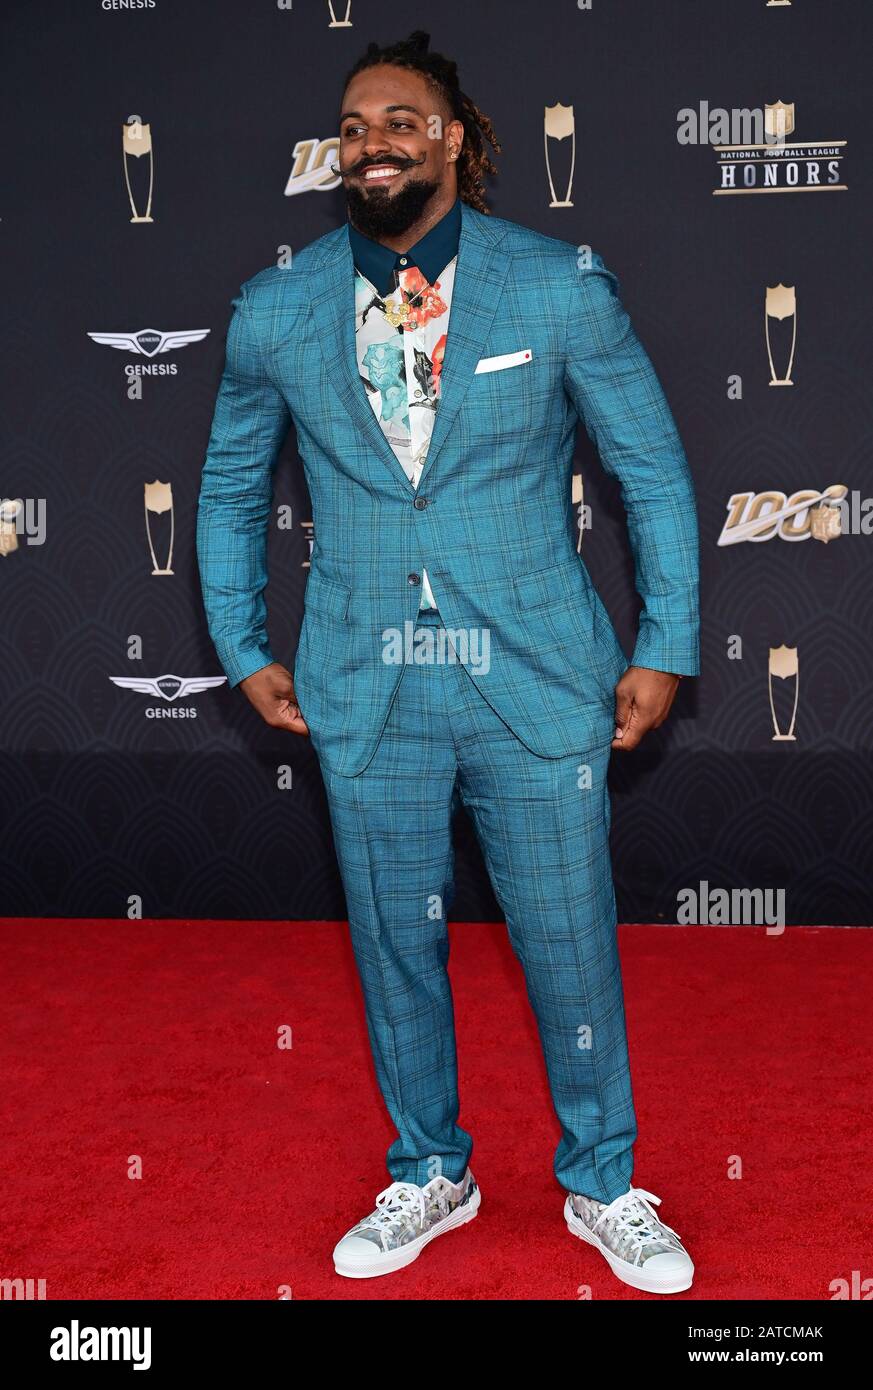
(381, 213)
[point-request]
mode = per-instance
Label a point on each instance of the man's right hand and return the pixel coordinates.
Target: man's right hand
(271, 691)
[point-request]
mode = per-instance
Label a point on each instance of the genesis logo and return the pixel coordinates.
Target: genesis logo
(169, 688)
(149, 342)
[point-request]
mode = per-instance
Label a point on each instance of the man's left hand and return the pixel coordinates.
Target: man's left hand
(642, 702)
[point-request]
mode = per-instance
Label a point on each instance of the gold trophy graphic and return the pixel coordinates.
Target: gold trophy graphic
(558, 123)
(11, 509)
(308, 529)
(158, 498)
(783, 663)
(339, 23)
(780, 303)
(578, 497)
(136, 140)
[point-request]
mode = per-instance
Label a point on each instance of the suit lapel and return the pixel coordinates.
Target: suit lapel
(479, 276)
(333, 307)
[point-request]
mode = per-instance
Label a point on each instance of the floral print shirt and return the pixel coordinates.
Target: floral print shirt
(401, 366)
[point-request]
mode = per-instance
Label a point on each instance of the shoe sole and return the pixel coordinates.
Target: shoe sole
(407, 1254)
(627, 1273)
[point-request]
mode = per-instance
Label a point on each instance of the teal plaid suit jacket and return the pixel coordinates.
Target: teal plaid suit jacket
(489, 520)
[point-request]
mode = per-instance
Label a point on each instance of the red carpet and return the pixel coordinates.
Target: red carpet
(158, 1039)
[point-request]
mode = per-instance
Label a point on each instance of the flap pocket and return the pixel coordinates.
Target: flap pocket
(327, 596)
(549, 588)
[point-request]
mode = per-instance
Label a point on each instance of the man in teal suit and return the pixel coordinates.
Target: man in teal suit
(435, 361)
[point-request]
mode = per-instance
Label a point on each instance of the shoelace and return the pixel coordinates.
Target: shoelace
(402, 1200)
(399, 1200)
(632, 1208)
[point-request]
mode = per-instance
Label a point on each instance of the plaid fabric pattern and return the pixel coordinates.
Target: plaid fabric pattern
(544, 838)
(489, 517)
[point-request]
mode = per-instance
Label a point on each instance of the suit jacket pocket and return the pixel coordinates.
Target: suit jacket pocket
(326, 597)
(569, 615)
(553, 587)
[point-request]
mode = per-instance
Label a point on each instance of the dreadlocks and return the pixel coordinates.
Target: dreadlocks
(442, 76)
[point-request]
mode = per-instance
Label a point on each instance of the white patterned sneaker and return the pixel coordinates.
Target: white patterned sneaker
(640, 1249)
(406, 1218)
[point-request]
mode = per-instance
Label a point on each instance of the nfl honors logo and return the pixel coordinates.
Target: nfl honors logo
(780, 164)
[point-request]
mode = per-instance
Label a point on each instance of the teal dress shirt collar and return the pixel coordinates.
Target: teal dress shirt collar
(431, 253)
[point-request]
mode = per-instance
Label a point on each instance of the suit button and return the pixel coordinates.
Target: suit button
(413, 579)
(420, 503)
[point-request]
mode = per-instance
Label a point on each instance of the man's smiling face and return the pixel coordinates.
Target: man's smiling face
(394, 150)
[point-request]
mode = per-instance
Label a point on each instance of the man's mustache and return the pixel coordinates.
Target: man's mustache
(359, 168)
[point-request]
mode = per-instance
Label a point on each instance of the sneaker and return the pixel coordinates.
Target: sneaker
(639, 1248)
(405, 1220)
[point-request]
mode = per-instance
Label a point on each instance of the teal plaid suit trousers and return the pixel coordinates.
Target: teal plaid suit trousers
(543, 826)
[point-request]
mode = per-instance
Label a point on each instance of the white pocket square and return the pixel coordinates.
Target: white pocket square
(504, 359)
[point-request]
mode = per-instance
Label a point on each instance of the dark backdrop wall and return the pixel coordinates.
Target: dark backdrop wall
(184, 804)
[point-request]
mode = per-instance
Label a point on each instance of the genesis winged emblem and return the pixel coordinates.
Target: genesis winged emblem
(150, 342)
(168, 687)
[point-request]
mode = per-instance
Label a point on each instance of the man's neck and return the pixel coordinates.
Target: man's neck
(436, 210)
